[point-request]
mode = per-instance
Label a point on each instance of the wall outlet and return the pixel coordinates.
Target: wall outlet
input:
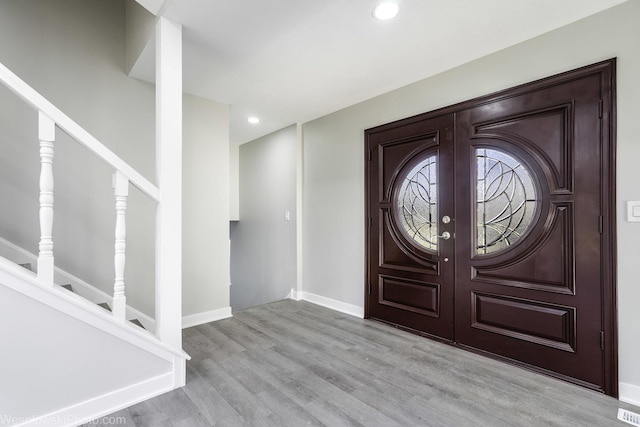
(633, 211)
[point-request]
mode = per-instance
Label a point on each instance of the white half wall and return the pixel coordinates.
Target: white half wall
(55, 361)
(334, 252)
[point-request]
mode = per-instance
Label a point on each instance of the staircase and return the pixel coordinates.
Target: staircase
(105, 306)
(61, 333)
(103, 299)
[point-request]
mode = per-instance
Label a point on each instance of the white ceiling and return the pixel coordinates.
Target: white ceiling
(289, 61)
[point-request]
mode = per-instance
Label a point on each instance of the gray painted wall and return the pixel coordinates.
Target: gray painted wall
(334, 155)
(205, 206)
(140, 28)
(73, 53)
(263, 244)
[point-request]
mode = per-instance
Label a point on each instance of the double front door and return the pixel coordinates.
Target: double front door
(488, 225)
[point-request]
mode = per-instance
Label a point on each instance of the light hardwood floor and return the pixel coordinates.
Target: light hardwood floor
(295, 364)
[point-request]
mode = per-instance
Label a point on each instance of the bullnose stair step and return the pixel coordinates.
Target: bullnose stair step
(102, 305)
(137, 323)
(26, 265)
(105, 306)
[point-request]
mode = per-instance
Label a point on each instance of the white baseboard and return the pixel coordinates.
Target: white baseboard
(342, 307)
(294, 295)
(104, 405)
(629, 393)
(206, 317)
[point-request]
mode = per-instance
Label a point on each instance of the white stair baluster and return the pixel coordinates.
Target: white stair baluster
(121, 190)
(46, 135)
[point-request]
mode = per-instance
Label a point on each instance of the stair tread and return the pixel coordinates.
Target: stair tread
(137, 322)
(26, 265)
(105, 306)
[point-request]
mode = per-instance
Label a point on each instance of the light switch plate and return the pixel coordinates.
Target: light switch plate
(633, 211)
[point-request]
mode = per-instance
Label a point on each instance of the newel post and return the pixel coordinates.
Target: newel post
(169, 174)
(47, 136)
(121, 191)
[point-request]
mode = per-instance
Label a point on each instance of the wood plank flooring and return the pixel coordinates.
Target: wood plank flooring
(296, 364)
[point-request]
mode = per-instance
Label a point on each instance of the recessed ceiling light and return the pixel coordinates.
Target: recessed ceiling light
(253, 120)
(386, 10)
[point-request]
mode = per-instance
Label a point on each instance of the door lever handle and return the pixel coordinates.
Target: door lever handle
(445, 235)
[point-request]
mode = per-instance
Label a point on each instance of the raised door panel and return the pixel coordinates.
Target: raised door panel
(553, 266)
(553, 147)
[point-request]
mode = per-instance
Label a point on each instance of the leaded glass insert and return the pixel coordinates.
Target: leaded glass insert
(417, 206)
(506, 200)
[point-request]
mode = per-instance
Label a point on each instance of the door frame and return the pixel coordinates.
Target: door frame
(606, 70)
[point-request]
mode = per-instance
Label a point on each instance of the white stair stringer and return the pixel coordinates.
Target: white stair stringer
(65, 361)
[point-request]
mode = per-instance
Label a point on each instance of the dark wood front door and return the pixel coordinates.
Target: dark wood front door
(410, 185)
(490, 225)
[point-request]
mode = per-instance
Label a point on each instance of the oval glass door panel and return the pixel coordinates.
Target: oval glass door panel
(505, 198)
(417, 206)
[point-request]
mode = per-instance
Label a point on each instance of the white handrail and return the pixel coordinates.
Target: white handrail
(74, 130)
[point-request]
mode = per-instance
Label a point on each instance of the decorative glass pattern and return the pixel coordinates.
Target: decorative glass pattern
(506, 200)
(418, 204)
